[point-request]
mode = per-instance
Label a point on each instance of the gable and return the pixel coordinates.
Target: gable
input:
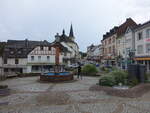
(128, 30)
(43, 50)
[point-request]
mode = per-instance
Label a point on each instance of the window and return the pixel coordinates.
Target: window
(48, 57)
(109, 49)
(42, 48)
(140, 49)
(5, 61)
(65, 54)
(32, 58)
(118, 41)
(35, 68)
(114, 49)
(140, 36)
(49, 48)
(39, 57)
(148, 33)
(11, 52)
(113, 39)
(16, 61)
(19, 52)
(147, 48)
(109, 41)
(5, 69)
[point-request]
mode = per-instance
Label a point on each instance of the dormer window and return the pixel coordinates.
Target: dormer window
(19, 52)
(11, 52)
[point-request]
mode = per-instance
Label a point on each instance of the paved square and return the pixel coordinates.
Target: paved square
(30, 96)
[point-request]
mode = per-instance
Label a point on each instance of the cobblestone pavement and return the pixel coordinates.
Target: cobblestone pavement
(30, 96)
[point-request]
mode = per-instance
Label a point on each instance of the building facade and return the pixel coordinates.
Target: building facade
(116, 42)
(94, 53)
(109, 46)
(142, 44)
(15, 54)
(42, 59)
(125, 42)
(1, 67)
(72, 55)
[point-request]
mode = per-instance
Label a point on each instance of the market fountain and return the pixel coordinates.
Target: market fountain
(58, 74)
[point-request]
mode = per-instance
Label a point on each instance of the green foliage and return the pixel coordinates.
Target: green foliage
(133, 82)
(89, 69)
(120, 76)
(114, 78)
(75, 71)
(107, 80)
(114, 69)
(104, 69)
(147, 76)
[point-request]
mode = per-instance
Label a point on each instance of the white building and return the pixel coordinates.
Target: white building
(94, 52)
(142, 44)
(42, 59)
(72, 55)
(125, 42)
(15, 55)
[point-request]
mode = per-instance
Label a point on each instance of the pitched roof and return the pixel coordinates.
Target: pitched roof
(21, 48)
(63, 49)
(143, 25)
(65, 38)
(122, 28)
(110, 33)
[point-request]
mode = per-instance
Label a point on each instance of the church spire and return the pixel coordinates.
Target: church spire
(63, 32)
(71, 32)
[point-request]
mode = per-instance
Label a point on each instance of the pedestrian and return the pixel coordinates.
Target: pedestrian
(79, 70)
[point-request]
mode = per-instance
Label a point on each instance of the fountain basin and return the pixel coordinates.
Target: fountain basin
(56, 77)
(121, 87)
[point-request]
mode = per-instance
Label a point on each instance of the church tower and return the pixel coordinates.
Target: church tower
(71, 34)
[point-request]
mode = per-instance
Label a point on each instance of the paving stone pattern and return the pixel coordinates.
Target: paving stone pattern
(28, 95)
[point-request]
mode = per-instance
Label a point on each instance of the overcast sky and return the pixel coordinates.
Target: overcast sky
(42, 19)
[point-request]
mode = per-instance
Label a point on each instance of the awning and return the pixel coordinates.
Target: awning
(145, 58)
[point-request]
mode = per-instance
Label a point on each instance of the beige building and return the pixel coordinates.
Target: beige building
(109, 46)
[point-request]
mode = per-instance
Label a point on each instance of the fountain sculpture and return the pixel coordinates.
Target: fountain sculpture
(58, 74)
